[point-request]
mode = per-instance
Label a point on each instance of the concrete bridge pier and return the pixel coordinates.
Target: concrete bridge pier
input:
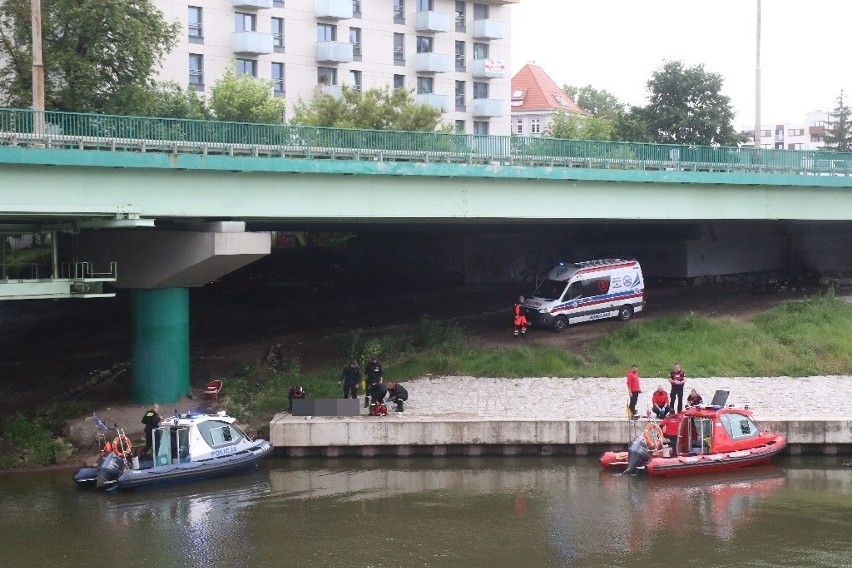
(160, 345)
(160, 266)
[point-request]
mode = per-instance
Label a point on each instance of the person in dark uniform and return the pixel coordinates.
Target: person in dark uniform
(295, 392)
(349, 378)
(378, 391)
(151, 420)
(397, 394)
(374, 372)
(677, 378)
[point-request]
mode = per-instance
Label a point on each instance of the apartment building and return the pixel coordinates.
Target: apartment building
(452, 53)
(807, 135)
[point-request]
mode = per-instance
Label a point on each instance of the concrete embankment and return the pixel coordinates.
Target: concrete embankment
(546, 416)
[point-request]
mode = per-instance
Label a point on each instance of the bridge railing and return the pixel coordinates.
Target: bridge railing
(143, 134)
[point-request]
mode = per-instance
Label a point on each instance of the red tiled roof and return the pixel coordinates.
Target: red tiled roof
(534, 90)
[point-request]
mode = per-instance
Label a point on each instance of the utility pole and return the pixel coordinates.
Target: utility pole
(757, 85)
(38, 70)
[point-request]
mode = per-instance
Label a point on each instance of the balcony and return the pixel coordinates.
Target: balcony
(487, 108)
(434, 22)
(440, 102)
(488, 29)
(489, 69)
(334, 9)
(431, 63)
(334, 52)
(252, 43)
(252, 4)
(335, 91)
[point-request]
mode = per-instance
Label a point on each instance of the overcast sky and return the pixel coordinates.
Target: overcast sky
(615, 45)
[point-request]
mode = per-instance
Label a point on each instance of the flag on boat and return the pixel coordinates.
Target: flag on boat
(99, 422)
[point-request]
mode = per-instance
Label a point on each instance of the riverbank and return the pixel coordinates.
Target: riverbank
(479, 416)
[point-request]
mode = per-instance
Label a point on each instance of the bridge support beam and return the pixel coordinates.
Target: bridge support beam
(160, 345)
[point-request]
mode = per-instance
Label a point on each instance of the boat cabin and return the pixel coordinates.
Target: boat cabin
(194, 437)
(716, 428)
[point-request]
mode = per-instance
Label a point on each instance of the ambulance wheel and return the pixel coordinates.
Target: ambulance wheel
(625, 313)
(559, 324)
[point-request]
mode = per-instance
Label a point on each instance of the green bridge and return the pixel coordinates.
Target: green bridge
(159, 205)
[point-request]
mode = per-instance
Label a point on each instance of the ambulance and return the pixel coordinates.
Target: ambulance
(586, 291)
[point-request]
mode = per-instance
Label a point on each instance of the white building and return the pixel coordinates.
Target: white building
(536, 98)
(807, 135)
(453, 54)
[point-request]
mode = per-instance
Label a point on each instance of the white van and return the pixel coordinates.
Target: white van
(584, 291)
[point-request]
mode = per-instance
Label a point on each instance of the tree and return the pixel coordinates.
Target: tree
(245, 99)
(165, 99)
(597, 102)
(687, 107)
(574, 126)
(375, 109)
(94, 52)
(838, 138)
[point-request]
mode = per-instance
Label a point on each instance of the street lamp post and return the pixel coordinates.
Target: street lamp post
(757, 85)
(38, 70)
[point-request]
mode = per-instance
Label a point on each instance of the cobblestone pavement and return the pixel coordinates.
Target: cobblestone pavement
(771, 398)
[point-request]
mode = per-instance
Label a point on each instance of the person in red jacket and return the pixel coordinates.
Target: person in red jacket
(520, 319)
(633, 389)
(660, 402)
(670, 425)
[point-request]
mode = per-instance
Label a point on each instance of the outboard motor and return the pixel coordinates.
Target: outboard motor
(109, 470)
(638, 455)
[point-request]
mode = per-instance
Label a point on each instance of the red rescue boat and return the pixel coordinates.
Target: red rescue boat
(710, 439)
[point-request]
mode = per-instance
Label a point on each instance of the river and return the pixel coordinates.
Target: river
(439, 512)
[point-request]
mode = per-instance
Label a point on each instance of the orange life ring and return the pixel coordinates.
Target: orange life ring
(121, 446)
(653, 435)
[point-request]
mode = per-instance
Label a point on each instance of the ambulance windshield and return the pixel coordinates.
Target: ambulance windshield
(550, 290)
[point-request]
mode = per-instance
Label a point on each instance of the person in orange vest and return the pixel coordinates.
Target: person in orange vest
(520, 319)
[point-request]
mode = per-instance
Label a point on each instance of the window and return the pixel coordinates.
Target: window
(196, 71)
(480, 128)
(480, 11)
(480, 50)
(796, 132)
(398, 82)
(480, 90)
(326, 32)
(796, 146)
(194, 28)
(460, 127)
(519, 126)
(278, 34)
(535, 126)
(460, 95)
(460, 15)
(425, 5)
(326, 76)
(399, 11)
(246, 67)
(399, 48)
(356, 8)
(595, 287)
(424, 44)
(355, 40)
(816, 138)
(425, 85)
(277, 75)
(278, 3)
(244, 22)
(739, 427)
(460, 56)
(765, 133)
(355, 80)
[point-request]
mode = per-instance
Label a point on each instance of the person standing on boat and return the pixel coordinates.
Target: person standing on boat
(694, 399)
(349, 378)
(633, 389)
(374, 372)
(151, 420)
(677, 378)
(660, 402)
(670, 426)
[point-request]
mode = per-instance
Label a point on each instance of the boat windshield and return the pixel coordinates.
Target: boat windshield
(217, 433)
(550, 290)
(739, 426)
(170, 446)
